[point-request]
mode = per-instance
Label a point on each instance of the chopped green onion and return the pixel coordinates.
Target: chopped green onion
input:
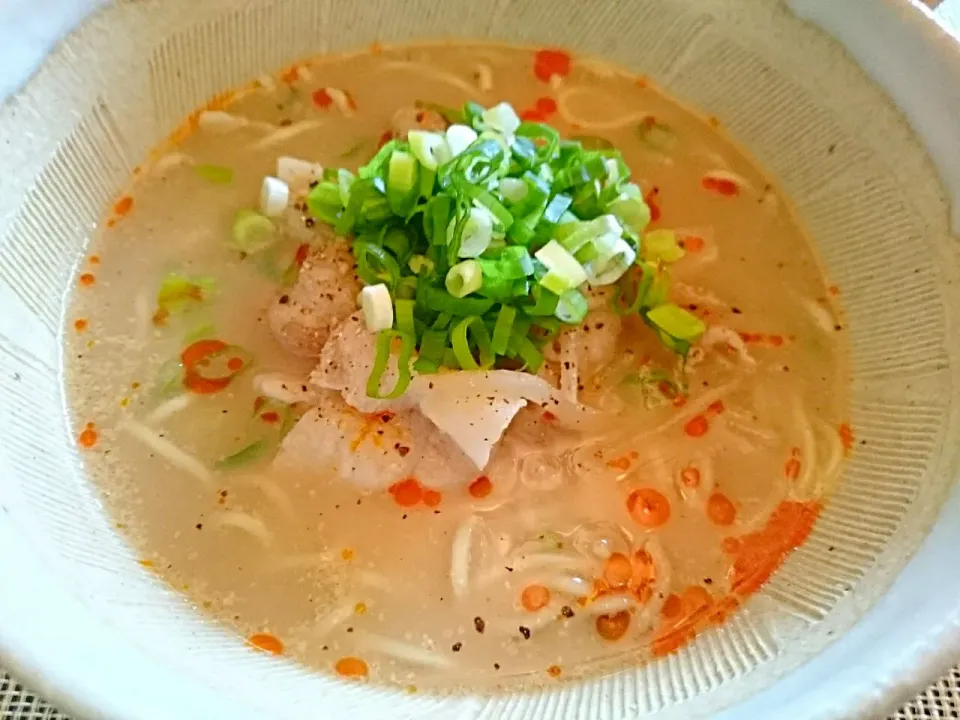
(252, 232)
(216, 174)
(476, 234)
(532, 357)
(374, 168)
(677, 322)
(436, 218)
(384, 352)
(564, 272)
(661, 246)
(377, 307)
(427, 147)
(179, 293)
(402, 182)
(398, 242)
(513, 190)
(614, 256)
(441, 301)
(432, 345)
(502, 329)
(545, 302)
(630, 208)
(572, 307)
(461, 345)
(458, 138)
(420, 265)
(464, 278)
(252, 452)
(404, 315)
(375, 264)
(502, 118)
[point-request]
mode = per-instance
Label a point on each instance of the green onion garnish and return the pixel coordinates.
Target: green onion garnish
(252, 232)
(485, 236)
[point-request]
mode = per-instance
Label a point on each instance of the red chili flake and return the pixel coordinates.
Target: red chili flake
(713, 121)
(547, 63)
(641, 82)
(548, 416)
(546, 105)
(384, 139)
(846, 436)
(123, 205)
(407, 492)
(235, 364)
(80, 325)
(291, 74)
(749, 337)
(481, 487)
(697, 426)
(351, 103)
(720, 185)
(258, 403)
(651, 200)
(88, 438)
(94, 260)
(303, 251)
(775, 340)
(87, 279)
(532, 115)
(321, 98)
(431, 498)
(554, 671)
(833, 290)
(270, 417)
(266, 642)
(716, 407)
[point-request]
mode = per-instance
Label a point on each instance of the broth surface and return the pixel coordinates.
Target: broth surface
(334, 572)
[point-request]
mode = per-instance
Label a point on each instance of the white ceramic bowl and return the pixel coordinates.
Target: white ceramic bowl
(859, 617)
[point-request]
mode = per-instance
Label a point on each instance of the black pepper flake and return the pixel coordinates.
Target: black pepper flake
(708, 581)
(479, 624)
(309, 222)
(404, 517)
(838, 328)
(567, 611)
(496, 666)
(402, 450)
(737, 311)
(199, 526)
(314, 183)
(508, 569)
(349, 629)
(325, 647)
(284, 299)
(456, 646)
(525, 631)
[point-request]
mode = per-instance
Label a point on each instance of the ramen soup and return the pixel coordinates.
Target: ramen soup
(465, 366)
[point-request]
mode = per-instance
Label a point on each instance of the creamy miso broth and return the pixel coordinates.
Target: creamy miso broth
(685, 422)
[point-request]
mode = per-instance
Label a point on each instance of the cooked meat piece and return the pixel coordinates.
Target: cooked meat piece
(373, 450)
(411, 118)
(346, 362)
(325, 293)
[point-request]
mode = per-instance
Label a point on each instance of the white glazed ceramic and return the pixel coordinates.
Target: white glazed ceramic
(841, 632)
